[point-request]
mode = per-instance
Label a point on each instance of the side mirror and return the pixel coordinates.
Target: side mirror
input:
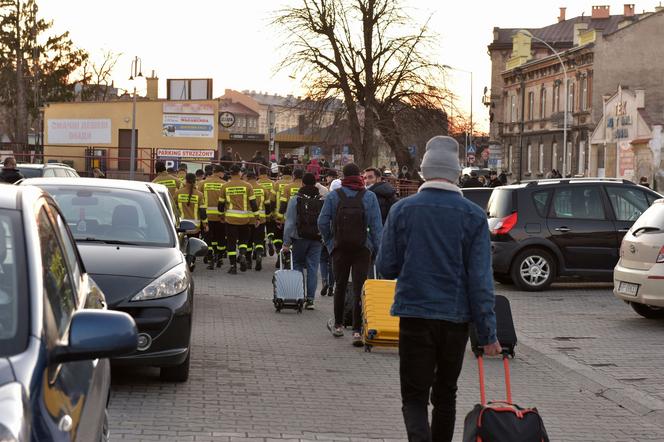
(196, 247)
(186, 226)
(97, 334)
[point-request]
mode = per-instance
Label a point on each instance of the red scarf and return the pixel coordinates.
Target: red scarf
(353, 182)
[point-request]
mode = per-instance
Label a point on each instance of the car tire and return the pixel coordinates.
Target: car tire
(176, 373)
(105, 432)
(503, 279)
(647, 311)
(533, 270)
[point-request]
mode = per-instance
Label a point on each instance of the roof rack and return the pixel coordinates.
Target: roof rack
(568, 180)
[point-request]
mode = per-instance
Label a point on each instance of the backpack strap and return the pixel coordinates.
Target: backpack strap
(341, 193)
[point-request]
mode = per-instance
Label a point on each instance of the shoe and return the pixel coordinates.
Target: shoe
(330, 291)
(323, 291)
(243, 263)
(232, 270)
(270, 247)
(210, 265)
(219, 260)
(357, 340)
(336, 330)
(278, 263)
(249, 264)
(259, 264)
(309, 304)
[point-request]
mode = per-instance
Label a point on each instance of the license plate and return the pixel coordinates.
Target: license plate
(628, 288)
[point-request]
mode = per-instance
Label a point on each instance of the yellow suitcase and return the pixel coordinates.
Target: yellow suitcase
(379, 327)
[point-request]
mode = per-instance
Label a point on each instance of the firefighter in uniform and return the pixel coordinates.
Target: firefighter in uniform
(191, 205)
(279, 187)
(238, 208)
(290, 191)
(211, 189)
(182, 173)
(268, 185)
(166, 179)
(257, 244)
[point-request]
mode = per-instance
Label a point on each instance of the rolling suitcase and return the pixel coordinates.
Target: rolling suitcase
(288, 287)
(501, 421)
(379, 327)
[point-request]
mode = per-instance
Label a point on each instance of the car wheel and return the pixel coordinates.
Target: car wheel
(105, 432)
(533, 270)
(503, 279)
(177, 373)
(648, 311)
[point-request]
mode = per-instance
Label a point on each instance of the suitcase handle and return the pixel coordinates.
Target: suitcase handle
(281, 259)
(508, 379)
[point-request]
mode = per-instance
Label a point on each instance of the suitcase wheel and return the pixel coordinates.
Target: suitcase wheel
(300, 306)
(367, 348)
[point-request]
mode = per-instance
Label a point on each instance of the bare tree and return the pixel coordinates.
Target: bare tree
(97, 77)
(366, 53)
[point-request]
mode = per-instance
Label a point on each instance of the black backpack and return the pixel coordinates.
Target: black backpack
(308, 209)
(350, 224)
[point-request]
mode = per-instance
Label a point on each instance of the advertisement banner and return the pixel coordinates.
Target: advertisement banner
(185, 154)
(193, 126)
(189, 108)
(79, 131)
(626, 160)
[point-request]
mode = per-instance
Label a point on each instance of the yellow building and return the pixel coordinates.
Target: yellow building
(94, 134)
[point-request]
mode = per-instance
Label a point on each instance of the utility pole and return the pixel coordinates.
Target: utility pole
(21, 136)
(135, 72)
(522, 123)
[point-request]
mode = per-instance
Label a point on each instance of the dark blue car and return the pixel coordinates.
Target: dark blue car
(55, 331)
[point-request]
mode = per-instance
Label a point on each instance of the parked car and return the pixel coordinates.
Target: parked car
(638, 278)
(541, 230)
(55, 332)
(29, 170)
(130, 247)
(478, 195)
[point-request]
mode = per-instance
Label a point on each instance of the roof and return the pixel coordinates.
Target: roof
(236, 108)
(142, 186)
(648, 119)
(10, 192)
(562, 33)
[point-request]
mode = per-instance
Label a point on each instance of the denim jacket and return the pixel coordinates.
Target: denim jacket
(371, 215)
(436, 244)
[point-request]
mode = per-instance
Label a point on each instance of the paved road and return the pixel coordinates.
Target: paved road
(258, 375)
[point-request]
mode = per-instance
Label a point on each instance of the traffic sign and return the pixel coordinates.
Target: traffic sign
(471, 150)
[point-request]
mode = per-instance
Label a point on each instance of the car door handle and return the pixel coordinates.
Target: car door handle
(562, 229)
(623, 230)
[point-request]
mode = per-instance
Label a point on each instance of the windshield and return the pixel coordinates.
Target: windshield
(30, 172)
(653, 217)
(13, 285)
(113, 215)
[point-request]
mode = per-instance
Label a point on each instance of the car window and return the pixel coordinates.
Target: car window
(69, 248)
(49, 172)
(14, 324)
(57, 280)
(60, 172)
(652, 197)
(653, 217)
(628, 203)
(541, 200)
(105, 214)
(580, 202)
(501, 203)
(30, 172)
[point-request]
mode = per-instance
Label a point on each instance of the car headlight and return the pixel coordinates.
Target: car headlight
(171, 283)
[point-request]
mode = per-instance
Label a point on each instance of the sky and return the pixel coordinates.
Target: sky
(233, 43)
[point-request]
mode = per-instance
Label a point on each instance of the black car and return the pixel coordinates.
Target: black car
(541, 230)
(478, 195)
(55, 331)
(129, 245)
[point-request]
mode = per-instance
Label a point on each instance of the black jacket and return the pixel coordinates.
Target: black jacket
(386, 195)
(10, 175)
(472, 182)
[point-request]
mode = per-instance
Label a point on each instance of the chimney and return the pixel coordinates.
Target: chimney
(152, 84)
(602, 11)
(578, 29)
(640, 98)
(561, 17)
(629, 10)
(659, 8)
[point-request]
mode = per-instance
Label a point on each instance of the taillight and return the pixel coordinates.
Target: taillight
(660, 255)
(505, 225)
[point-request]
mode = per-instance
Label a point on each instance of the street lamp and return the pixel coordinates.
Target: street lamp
(470, 142)
(557, 54)
(136, 72)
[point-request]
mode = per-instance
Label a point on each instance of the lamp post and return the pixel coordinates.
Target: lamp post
(470, 138)
(136, 65)
(557, 54)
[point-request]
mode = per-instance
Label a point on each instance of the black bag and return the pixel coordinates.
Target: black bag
(308, 210)
(350, 225)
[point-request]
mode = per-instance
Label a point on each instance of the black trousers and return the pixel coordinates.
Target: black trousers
(345, 263)
(215, 236)
(278, 238)
(431, 356)
(270, 227)
(258, 238)
(237, 238)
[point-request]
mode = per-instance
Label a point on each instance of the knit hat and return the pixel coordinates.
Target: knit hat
(441, 159)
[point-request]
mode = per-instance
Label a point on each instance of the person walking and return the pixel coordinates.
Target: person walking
(493, 179)
(385, 193)
(172, 182)
(279, 186)
(301, 231)
(238, 208)
(644, 182)
(211, 189)
(10, 173)
(97, 173)
(436, 245)
(472, 181)
(268, 185)
(290, 190)
(256, 249)
(350, 226)
(314, 167)
(192, 205)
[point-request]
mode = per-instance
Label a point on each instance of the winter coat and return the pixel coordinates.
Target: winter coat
(10, 175)
(386, 195)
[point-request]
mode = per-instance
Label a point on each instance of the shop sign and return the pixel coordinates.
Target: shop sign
(254, 137)
(79, 131)
(184, 154)
(189, 108)
(188, 126)
(227, 119)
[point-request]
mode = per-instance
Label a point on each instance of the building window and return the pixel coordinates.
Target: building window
(583, 94)
(531, 105)
(556, 98)
(530, 158)
(570, 104)
(513, 110)
(543, 104)
(541, 158)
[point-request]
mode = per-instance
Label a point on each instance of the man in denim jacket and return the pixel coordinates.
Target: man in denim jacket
(436, 244)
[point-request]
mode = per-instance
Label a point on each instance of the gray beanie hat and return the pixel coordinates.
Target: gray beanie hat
(441, 159)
